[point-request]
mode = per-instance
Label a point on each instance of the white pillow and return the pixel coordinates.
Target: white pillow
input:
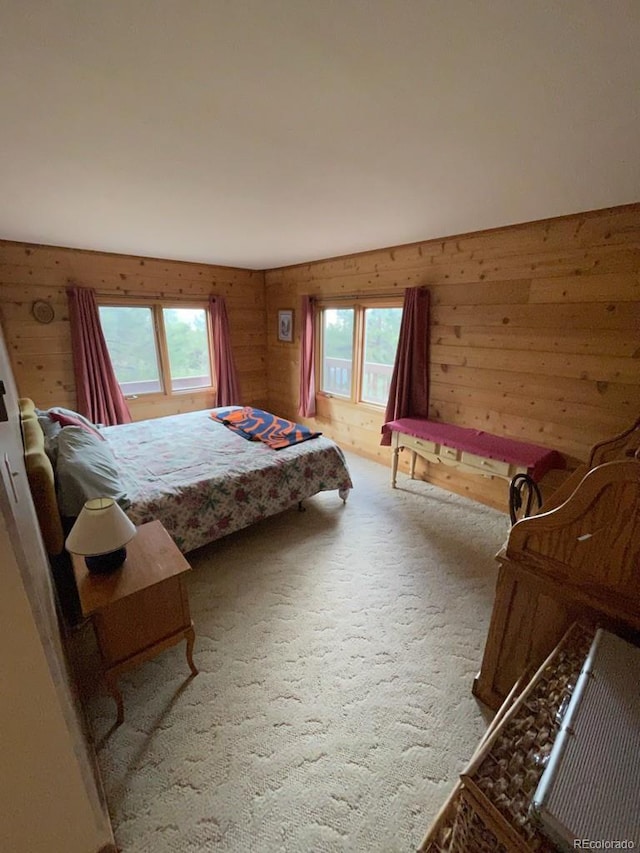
(49, 428)
(85, 468)
(70, 413)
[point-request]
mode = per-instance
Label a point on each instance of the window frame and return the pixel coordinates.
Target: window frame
(162, 350)
(359, 306)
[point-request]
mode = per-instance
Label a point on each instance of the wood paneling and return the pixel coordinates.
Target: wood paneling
(535, 334)
(41, 354)
(535, 329)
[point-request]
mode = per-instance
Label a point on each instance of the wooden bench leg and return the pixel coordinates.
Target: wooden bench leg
(412, 469)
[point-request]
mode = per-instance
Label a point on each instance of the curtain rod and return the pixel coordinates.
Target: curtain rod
(153, 296)
(387, 294)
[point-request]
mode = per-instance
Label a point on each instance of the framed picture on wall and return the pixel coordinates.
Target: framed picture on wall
(285, 326)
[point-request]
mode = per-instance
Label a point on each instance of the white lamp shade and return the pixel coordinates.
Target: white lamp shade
(101, 527)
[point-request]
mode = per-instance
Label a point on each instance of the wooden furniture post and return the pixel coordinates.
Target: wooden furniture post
(578, 559)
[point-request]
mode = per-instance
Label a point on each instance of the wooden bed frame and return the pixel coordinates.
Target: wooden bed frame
(578, 559)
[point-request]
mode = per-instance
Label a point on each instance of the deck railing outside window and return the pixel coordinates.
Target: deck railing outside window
(376, 379)
(336, 376)
(151, 386)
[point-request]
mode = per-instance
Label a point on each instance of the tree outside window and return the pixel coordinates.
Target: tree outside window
(157, 348)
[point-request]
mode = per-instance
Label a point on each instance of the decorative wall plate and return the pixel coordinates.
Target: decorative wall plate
(42, 311)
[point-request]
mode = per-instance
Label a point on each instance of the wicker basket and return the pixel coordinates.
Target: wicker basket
(488, 809)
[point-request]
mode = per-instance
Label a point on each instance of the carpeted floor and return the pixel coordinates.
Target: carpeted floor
(333, 708)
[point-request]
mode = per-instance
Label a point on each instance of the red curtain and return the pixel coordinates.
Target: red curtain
(409, 390)
(98, 393)
(307, 405)
(227, 385)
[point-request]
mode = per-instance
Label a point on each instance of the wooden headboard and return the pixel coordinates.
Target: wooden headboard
(41, 478)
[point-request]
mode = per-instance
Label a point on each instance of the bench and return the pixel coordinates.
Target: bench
(471, 450)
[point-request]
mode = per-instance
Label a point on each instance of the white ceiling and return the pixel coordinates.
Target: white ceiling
(258, 133)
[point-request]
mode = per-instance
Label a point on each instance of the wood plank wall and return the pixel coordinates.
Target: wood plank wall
(41, 354)
(535, 334)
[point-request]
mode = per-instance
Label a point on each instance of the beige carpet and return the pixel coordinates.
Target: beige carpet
(333, 708)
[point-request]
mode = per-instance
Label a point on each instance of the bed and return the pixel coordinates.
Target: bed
(201, 480)
(204, 481)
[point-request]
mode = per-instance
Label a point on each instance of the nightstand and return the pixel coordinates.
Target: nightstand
(141, 608)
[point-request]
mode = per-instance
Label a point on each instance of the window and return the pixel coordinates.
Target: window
(358, 349)
(187, 335)
(337, 350)
(133, 348)
(381, 332)
(157, 348)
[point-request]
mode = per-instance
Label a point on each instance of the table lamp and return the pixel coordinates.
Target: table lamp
(100, 534)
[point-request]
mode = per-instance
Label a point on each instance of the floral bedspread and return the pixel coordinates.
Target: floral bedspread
(203, 481)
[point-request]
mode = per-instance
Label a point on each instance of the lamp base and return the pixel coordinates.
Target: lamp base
(103, 564)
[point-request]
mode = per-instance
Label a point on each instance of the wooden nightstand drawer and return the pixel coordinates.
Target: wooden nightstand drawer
(487, 466)
(139, 621)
